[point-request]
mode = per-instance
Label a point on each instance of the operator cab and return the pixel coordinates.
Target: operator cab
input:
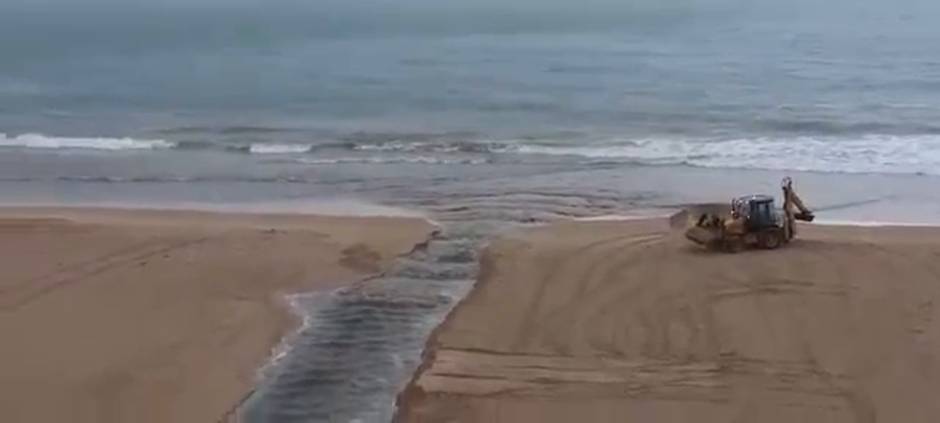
(757, 210)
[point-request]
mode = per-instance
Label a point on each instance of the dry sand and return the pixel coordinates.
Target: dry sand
(625, 321)
(158, 316)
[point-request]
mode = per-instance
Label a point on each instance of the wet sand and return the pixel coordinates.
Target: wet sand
(162, 316)
(626, 321)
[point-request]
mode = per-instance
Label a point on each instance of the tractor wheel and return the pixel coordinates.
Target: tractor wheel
(770, 240)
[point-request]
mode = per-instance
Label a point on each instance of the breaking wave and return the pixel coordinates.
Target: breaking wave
(287, 179)
(265, 148)
(48, 142)
(428, 160)
(904, 154)
(909, 154)
(867, 154)
(480, 147)
(226, 130)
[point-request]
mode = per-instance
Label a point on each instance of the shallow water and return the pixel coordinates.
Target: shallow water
(362, 343)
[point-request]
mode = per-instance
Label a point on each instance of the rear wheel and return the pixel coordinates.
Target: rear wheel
(770, 240)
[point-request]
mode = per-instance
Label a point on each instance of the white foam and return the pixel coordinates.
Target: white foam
(392, 160)
(324, 207)
(298, 304)
(48, 142)
(341, 207)
(393, 146)
(623, 217)
(874, 224)
(918, 154)
(265, 148)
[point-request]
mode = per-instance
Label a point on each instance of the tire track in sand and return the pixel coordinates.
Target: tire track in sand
(94, 267)
(550, 275)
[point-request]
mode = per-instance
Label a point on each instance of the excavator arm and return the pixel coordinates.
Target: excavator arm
(791, 200)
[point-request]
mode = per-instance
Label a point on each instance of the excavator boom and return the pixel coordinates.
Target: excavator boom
(791, 200)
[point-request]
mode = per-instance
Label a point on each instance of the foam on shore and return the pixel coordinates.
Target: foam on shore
(325, 207)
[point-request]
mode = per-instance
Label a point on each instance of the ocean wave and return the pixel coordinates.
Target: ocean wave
(283, 179)
(867, 154)
(444, 147)
(901, 154)
(271, 148)
(428, 160)
(844, 129)
(49, 142)
(194, 145)
(127, 180)
(225, 130)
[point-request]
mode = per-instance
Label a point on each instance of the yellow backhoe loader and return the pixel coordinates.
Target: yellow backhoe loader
(753, 222)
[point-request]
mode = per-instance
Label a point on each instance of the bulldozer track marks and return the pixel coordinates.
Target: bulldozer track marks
(78, 267)
(484, 373)
(551, 274)
(615, 319)
(21, 294)
(781, 287)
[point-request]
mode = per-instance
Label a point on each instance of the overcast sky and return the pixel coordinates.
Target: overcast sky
(810, 6)
(322, 5)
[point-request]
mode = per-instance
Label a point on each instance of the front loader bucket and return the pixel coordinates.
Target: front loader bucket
(703, 236)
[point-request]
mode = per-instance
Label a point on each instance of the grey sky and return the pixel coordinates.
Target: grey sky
(324, 5)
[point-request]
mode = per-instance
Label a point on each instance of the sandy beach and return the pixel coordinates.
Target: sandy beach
(626, 321)
(162, 316)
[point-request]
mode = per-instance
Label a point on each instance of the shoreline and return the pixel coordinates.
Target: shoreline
(472, 369)
(179, 281)
(328, 208)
